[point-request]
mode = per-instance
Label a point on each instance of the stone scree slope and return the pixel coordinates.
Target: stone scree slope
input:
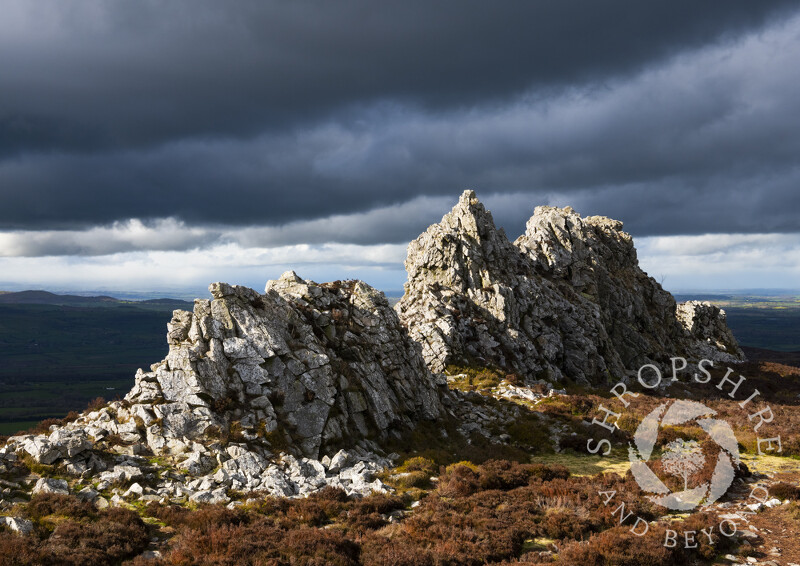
(567, 299)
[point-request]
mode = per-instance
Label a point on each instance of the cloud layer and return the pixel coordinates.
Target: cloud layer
(95, 74)
(129, 130)
(680, 263)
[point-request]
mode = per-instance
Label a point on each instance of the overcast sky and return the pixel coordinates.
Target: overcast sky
(164, 145)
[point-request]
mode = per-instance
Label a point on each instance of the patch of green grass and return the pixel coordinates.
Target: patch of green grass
(413, 476)
(473, 378)
(441, 443)
(587, 464)
(771, 464)
(43, 470)
(537, 544)
(418, 464)
(160, 461)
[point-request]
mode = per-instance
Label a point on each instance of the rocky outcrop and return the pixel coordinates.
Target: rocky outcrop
(284, 392)
(306, 367)
(594, 257)
(565, 300)
(205, 473)
(472, 297)
(707, 324)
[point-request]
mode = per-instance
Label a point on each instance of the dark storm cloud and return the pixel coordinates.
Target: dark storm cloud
(98, 74)
(284, 113)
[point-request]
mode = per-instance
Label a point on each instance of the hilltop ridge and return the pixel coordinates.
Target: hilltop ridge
(304, 385)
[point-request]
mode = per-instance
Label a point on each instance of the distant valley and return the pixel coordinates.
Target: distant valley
(58, 352)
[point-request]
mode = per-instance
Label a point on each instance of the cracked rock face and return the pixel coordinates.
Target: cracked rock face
(307, 366)
(473, 297)
(566, 299)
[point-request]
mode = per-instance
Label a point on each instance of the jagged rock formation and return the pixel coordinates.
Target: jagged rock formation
(596, 258)
(566, 299)
(285, 392)
(707, 323)
(473, 297)
(308, 366)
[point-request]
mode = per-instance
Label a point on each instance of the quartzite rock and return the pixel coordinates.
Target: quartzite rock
(567, 299)
(306, 366)
(250, 382)
(472, 297)
(17, 525)
(47, 485)
(707, 323)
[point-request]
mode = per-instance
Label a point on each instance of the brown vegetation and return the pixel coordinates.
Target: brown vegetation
(478, 514)
(69, 531)
(478, 502)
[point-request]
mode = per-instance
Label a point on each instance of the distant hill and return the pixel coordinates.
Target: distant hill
(36, 297)
(47, 298)
(763, 355)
